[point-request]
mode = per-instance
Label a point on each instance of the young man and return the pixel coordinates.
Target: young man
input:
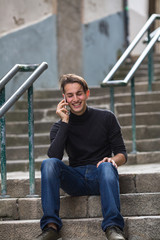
(93, 141)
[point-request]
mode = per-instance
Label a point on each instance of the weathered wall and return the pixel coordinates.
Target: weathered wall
(138, 15)
(81, 36)
(15, 14)
(28, 35)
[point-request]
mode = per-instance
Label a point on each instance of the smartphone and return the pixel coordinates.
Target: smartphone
(65, 101)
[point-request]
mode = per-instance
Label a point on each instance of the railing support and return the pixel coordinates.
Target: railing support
(150, 65)
(31, 143)
(5, 106)
(133, 116)
(3, 149)
(112, 99)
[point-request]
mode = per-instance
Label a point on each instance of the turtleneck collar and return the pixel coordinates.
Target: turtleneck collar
(79, 118)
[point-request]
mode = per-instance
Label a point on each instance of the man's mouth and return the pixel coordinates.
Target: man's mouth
(76, 105)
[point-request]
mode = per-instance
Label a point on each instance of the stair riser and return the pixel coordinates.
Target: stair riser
(22, 153)
(90, 229)
(140, 158)
(142, 132)
(51, 113)
(129, 183)
(80, 207)
(44, 127)
(22, 127)
(140, 108)
(144, 146)
(141, 119)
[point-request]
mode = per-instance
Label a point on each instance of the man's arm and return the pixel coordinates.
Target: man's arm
(116, 143)
(58, 134)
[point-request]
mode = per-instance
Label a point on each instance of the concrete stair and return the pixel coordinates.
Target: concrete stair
(139, 178)
(140, 200)
(147, 121)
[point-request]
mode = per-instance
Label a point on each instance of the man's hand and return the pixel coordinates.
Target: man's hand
(62, 111)
(106, 159)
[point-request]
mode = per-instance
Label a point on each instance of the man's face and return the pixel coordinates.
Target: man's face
(76, 97)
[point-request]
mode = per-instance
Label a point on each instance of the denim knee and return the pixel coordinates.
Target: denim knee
(107, 172)
(49, 165)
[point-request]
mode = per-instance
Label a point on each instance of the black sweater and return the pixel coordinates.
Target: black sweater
(88, 138)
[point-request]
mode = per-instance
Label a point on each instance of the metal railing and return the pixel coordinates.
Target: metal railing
(37, 70)
(109, 82)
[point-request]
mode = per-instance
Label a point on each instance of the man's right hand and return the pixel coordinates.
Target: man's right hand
(62, 111)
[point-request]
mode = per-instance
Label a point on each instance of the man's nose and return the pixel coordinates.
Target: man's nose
(75, 98)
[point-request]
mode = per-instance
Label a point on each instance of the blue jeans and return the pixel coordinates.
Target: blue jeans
(80, 181)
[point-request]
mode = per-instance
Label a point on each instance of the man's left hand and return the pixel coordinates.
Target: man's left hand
(106, 159)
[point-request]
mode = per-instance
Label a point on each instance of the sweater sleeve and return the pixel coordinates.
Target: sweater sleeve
(58, 136)
(115, 137)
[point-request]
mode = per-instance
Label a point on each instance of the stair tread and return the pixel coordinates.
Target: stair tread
(125, 169)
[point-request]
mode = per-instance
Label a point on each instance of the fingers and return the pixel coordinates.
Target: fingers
(62, 111)
(113, 162)
(106, 159)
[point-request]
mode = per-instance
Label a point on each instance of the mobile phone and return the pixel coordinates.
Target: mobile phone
(65, 100)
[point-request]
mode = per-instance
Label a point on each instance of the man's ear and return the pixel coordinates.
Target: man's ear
(88, 93)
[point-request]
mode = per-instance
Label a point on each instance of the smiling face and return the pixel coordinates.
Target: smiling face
(76, 97)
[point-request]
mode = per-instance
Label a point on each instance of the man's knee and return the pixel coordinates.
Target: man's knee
(50, 164)
(106, 171)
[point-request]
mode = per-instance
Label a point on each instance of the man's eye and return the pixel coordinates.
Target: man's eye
(79, 93)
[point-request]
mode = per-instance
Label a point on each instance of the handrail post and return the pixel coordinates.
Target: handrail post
(150, 65)
(31, 142)
(112, 99)
(133, 116)
(3, 149)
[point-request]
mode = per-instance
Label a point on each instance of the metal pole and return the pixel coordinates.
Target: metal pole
(150, 65)
(133, 116)
(23, 88)
(112, 99)
(3, 150)
(31, 142)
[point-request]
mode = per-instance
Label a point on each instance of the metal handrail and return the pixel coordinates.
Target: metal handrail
(108, 82)
(5, 106)
(40, 68)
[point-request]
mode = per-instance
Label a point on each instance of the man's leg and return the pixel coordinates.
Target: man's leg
(55, 174)
(110, 198)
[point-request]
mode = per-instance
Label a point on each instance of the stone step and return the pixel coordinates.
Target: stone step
(140, 228)
(144, 145)
(141, 107)
(139, 158)
(22, 127)
(48, 113)
(142, 132)
(152, 118)
(137, 204)
(22, 139)
(97, 91)
(22, 152)
(131, 181)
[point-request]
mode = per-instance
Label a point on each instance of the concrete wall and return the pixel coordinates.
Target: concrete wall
(103, 37)
(81, 36)
(15, 14)
(138, 15)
